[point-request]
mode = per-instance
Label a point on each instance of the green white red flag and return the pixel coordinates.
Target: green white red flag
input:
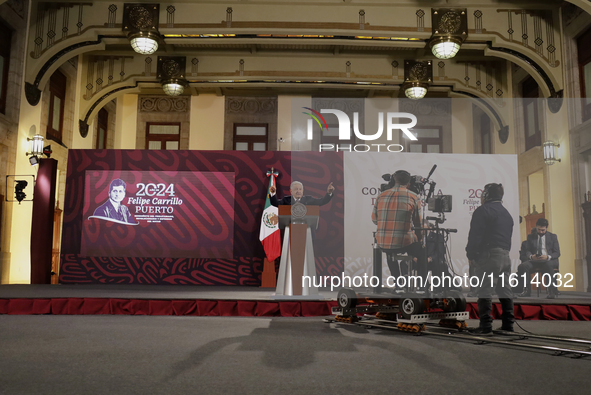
(269, 234)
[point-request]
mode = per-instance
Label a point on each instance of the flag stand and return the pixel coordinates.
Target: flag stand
(269, 236)
(268, 277)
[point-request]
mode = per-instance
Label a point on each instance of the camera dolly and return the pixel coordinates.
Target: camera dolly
(411, 311)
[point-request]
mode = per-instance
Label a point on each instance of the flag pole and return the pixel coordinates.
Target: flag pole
(269, 276)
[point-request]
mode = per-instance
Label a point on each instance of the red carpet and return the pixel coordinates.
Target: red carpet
(248, 308)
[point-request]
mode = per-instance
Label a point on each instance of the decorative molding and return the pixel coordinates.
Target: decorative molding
(437, 107)
(347, 105)
(171, 67)
(18, 6)
(543, 29)
(264, 105)
(533, 64)
(83, 127)
(32, 93)
(555, 102)
(164, 104)
(170, 10)
(570, 12)
(140, 17)
(504, 134)
(54, 59)
(478, 21)
(229, 17)
(420, 20)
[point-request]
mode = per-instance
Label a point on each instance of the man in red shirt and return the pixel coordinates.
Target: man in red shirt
(394, 212)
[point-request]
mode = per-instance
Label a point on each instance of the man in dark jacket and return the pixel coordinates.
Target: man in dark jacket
(539, 253)
(489, 243)
(297, 195)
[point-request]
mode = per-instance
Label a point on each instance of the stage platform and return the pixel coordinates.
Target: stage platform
(190, 300)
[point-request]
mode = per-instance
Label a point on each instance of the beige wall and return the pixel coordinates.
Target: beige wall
(19, 271)
(461, 126)
(535, 183)
(126, 122)
(284, 109)
(561, 199)
(207, 122)
(298, 118)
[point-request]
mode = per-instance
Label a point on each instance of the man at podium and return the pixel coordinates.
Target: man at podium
(297, 196)
(297, 253)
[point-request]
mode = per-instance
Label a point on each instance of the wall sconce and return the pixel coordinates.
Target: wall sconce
(140, 22)
(171, 72)
(36, 149)
(450, 30)
(417, 77)
(550, 152)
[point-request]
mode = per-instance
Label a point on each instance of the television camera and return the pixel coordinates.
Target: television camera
(409, 306)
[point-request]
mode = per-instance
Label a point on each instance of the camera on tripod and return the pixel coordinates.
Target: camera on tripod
(417, 183)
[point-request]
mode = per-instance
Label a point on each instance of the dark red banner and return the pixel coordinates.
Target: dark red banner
(152, 264)
(162, 214)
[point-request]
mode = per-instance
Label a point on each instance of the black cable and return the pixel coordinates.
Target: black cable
(526, 331)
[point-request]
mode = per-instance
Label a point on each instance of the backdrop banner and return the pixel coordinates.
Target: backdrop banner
(463, 176)
(184, 217)
(158, 214)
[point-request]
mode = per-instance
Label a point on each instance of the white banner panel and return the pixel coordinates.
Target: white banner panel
(461, 175)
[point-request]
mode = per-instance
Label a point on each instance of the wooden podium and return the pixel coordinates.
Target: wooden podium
(297, 253)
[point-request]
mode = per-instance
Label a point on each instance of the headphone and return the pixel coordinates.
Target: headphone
(486, 193)
(401, 172)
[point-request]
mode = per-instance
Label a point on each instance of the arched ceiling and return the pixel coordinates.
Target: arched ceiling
(327, 48)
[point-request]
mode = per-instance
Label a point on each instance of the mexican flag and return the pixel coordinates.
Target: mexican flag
(269, 234)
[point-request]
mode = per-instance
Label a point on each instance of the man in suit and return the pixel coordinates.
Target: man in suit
(297, 196)
(539, 253)
(113, 209)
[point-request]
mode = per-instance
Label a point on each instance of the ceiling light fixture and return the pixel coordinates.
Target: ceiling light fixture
(171, 72)
(450, 30)
(140, 21)
(417, 77)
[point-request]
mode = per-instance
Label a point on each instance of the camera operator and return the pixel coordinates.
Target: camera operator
(394, 212)
(489, 243)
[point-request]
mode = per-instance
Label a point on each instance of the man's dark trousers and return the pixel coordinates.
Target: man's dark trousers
(494, 263)
(415, 250)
